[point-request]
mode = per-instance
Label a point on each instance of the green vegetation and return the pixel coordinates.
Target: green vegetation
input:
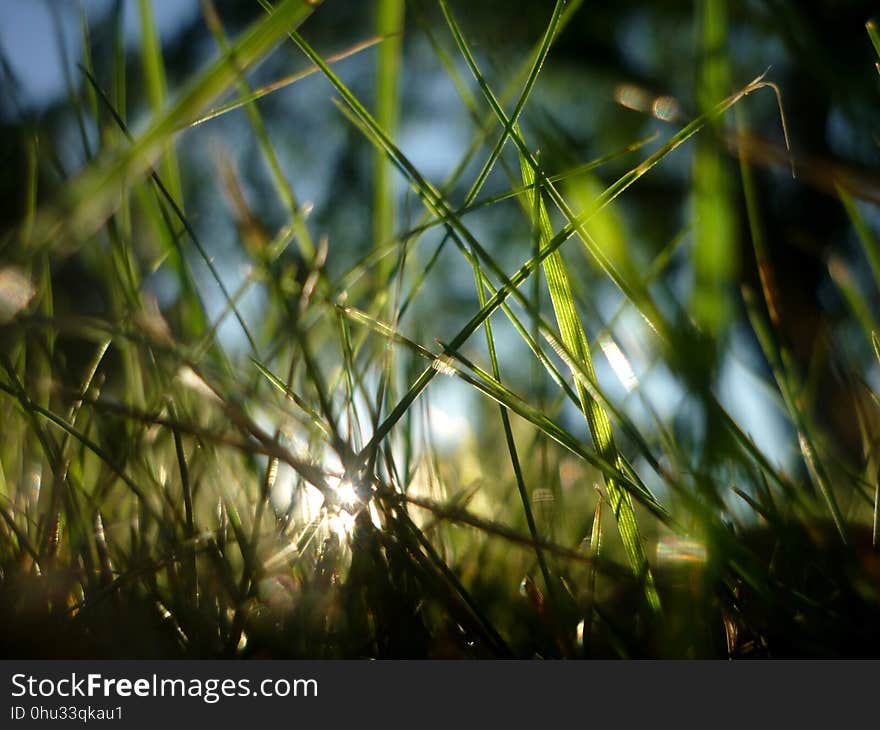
(421, 433)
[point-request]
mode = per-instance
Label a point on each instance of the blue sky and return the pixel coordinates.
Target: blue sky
(29, 41)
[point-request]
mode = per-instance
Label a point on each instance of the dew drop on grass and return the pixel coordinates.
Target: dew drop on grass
(632, 97)
(665, 108)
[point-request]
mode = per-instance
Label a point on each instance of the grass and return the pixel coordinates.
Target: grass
(167, 490)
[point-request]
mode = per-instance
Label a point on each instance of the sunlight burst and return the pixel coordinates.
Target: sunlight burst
(346, 494)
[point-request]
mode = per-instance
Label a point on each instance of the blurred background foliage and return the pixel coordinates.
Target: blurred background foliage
(720, 222)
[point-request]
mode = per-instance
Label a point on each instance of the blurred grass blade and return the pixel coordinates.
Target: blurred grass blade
(790, 392)
(848, 287)
(867, 239)
(874, 34)
(195, 310)
(715, 238)
(282, 186)
(154, 80)
(94, 194)
(389, 24)
(282, 83)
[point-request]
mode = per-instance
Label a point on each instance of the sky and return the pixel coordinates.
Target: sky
(29, 39)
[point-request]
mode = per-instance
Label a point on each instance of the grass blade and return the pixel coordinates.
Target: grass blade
(389, 24)
(575, 339)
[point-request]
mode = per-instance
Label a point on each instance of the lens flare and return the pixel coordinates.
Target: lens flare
(346, 494)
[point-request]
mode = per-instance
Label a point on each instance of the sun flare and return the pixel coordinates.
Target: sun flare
(346, 494)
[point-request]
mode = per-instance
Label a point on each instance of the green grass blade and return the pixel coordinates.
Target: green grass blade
(389, 24)
(575, 339)
(849, 289)
(715, 239)
(867, 239)
(155, 83)
(790, 392)
(91, 99)
(874, 35)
